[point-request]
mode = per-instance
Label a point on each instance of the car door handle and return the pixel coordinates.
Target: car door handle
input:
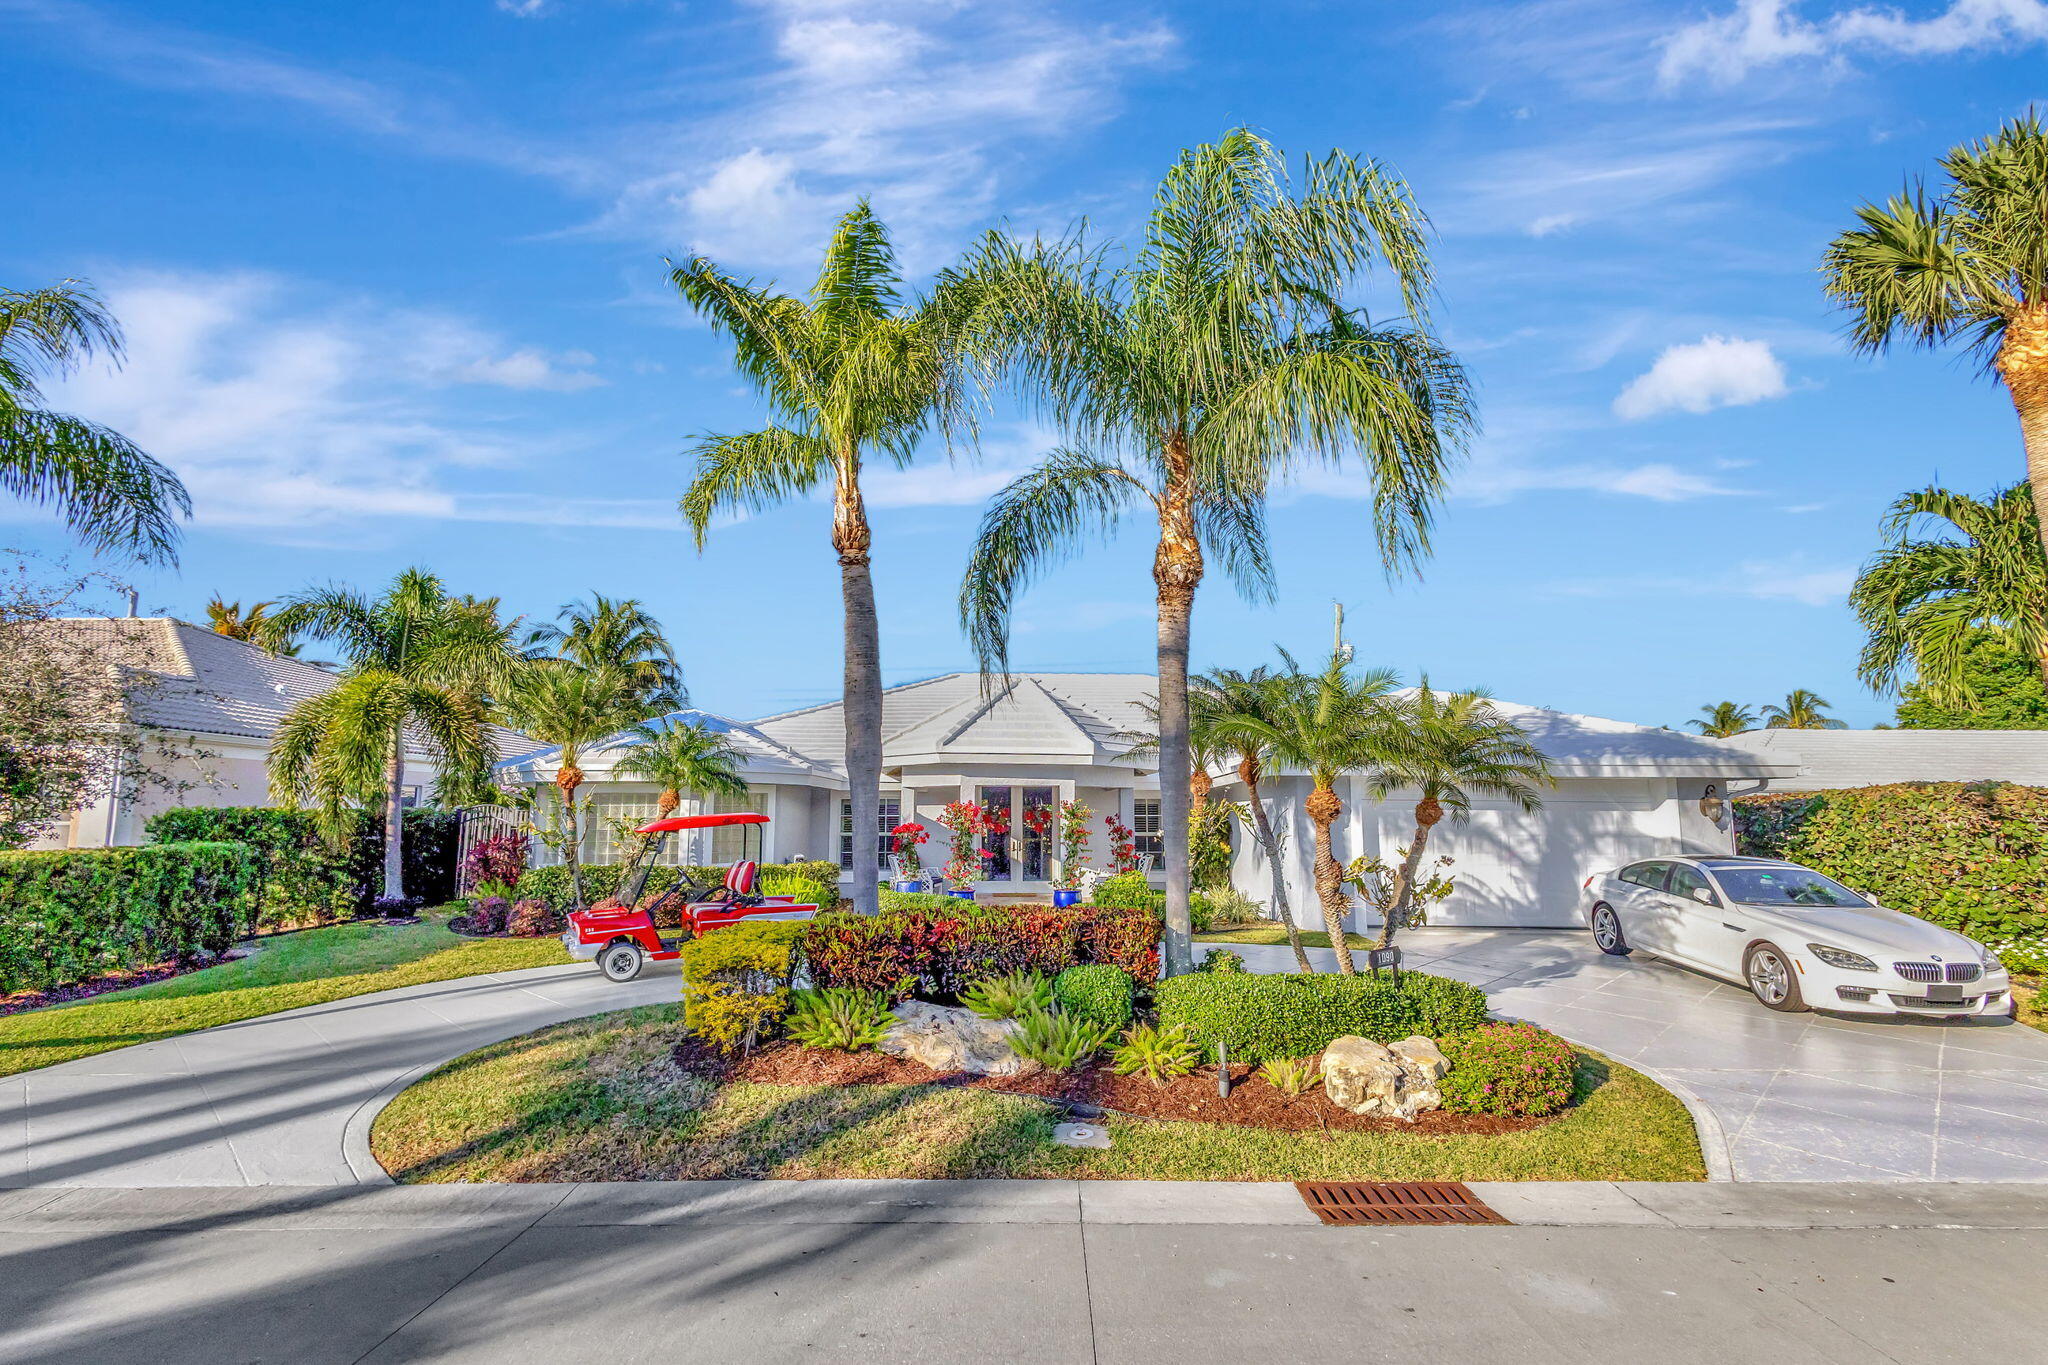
(1726, 925)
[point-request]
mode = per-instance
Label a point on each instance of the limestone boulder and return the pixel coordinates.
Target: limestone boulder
(954, 1040)
(1364, 1077)
(1422, 1056)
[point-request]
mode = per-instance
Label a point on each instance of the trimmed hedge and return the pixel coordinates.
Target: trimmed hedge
(600, 880)
(938, 953)
(1130, 891)
(1972, 857)
(77, 914)
(305, 879)
(736, 981)
(1263, 1018)
(1099, 993)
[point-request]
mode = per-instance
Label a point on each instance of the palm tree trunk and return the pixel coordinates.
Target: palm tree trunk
(573, 850)
(1269, 844)
(1177, 572)
(2023, 364)
(1427, 813)
(1324, 807)
(394, 820)
(862, 687)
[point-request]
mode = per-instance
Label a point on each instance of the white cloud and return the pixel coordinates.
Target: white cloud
(525, 9)
(1726, 47)
(935, 481)
(1763, 580)
(1713, 372)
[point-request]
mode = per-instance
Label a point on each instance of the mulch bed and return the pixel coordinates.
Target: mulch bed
(21, 1001)
(1252, 1102)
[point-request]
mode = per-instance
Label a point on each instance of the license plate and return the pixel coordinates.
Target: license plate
(1946, 995)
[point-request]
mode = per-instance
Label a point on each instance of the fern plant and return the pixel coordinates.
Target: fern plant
(1008, 996)
(1058, 1042)
(1291, 1075)
(1157, 1054)
(838, 1017)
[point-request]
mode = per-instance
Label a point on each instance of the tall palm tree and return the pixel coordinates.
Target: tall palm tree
(1952, 569)
(1218, 359)
(1801, 710)
(1448, 748)
(419, 664)
(617, 633)
(1723, 718)
(1967, 263)
(563, 703)
(1232, 712)
(851, 373)
(114, 498)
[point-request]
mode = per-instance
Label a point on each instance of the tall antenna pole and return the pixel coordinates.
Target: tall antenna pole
(1338, 649)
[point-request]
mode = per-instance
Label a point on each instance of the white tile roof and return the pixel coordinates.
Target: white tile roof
(1866, 758)
(764, 758)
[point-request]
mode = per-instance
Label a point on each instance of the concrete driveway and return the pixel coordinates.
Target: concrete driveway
(1797, 1096)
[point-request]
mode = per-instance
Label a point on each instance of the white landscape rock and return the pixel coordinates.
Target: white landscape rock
(952, 1040)
(1364, 1077)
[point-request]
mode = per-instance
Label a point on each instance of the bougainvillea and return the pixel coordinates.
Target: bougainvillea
(904, 840)
(1073, 843)
(962, 822)
(1123, 845)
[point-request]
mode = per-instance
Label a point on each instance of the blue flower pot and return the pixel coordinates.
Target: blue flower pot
(965, 893)
(906, 886)
(1064, 897)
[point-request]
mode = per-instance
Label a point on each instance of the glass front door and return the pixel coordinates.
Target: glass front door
(996, 817)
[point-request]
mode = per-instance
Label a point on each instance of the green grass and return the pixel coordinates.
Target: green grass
(291, 970)
(1275, 935)
(601, 1099)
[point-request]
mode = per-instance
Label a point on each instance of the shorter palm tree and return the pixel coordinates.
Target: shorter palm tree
(256, 626)
(678, 757)
(1724, 718)
(1232, 713)
(616, 633)
(1802, 710)
(1450, 747)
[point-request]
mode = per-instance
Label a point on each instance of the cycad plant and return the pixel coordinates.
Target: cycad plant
(852, 374)
(1722, 719)
(1952, 570)
(417, 662)
(113, 497)
(1967, 263)
(1218, 359)
(611, 632)
(1801, 710)
(1448, 748)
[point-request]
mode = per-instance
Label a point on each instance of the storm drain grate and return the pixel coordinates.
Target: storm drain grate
(1345, 1203)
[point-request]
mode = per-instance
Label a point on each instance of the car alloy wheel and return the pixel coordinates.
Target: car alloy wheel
(621, 961)
(1771, 980)
(1607, 931)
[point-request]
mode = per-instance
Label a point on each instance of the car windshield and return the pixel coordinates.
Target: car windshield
(1784, 886)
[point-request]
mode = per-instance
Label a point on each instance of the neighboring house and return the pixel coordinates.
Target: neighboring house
(204, 708)
(1624, 791)
(1828, 759)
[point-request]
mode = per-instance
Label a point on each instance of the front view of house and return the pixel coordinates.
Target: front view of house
(1038, 739)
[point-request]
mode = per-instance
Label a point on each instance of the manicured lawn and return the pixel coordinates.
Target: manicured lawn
(291, 970)
(602, 1099)
(1274, 934)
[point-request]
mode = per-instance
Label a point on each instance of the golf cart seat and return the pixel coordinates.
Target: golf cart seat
(739, 878)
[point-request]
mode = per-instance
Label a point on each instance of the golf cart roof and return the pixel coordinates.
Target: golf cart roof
(735, 817)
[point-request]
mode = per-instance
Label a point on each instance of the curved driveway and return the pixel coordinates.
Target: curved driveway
(275, 1100)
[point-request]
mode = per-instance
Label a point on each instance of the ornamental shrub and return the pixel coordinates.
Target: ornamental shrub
(1517, 1070)
(1059, 1042)
(940, 952)
(76, 914)
(736, 981)
(532, 919)
(488, 915)
(918, 900)
(1157, 1054)
(1267, 1017)
(1008, 995)
(1095, 991)
(600, 880)
(1972, 857)
(843, 1020)
(1130, 891)
(783, 882)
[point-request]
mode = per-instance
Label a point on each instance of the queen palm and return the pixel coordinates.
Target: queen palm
(677, 757)
(1801, 710)
(419, 665)
(1966, 264)
(1218, 359)
(562, 703)
(618, 633)
(852, 373)
(1722, 719)
(1952, 569)
(1448, 748)
(114, 498)
(1231, 712)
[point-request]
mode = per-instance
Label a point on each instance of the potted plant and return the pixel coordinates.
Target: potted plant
(904, 840)
(1073, 821)
(962, 821)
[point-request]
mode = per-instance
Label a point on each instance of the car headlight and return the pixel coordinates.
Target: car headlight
(1842, 958)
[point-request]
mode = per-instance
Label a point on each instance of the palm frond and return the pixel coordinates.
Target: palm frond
(113, 497)
(751, 471)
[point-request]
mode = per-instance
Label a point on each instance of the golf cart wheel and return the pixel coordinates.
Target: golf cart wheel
(621, 961)
(1607, 932)
(1772, 980)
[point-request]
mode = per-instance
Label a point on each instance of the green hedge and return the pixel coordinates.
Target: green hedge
(1130, 891)
(1972, 857)
(77, 914)
(1098, 993)
(1268, 1017)
(308, 880)
(551, 884)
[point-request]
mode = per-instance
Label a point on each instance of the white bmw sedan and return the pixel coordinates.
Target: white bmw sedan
(1797, 939)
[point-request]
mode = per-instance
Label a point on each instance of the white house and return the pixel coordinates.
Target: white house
(1624, 791)
(1828, 759)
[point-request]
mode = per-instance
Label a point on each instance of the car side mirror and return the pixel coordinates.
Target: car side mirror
(1704, 896)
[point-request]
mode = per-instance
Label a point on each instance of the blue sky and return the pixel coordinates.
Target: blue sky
(392, 281)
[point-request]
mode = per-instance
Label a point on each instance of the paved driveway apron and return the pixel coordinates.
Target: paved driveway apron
(1799, 1096)
(266, 1101)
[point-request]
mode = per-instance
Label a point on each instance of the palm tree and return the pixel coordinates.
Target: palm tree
(1926, 598)
(256, 626)
(1968, 263)
(679, 757)
(1232, 713)
(851, 373)
(1723, 718)
(618, 633)
(419, 664)
(1450, 747)
(114, 498)
(1802, 710)
(563, 703)
(1217, 359)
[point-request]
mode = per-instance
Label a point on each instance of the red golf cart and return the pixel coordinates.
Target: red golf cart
(620, 932)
